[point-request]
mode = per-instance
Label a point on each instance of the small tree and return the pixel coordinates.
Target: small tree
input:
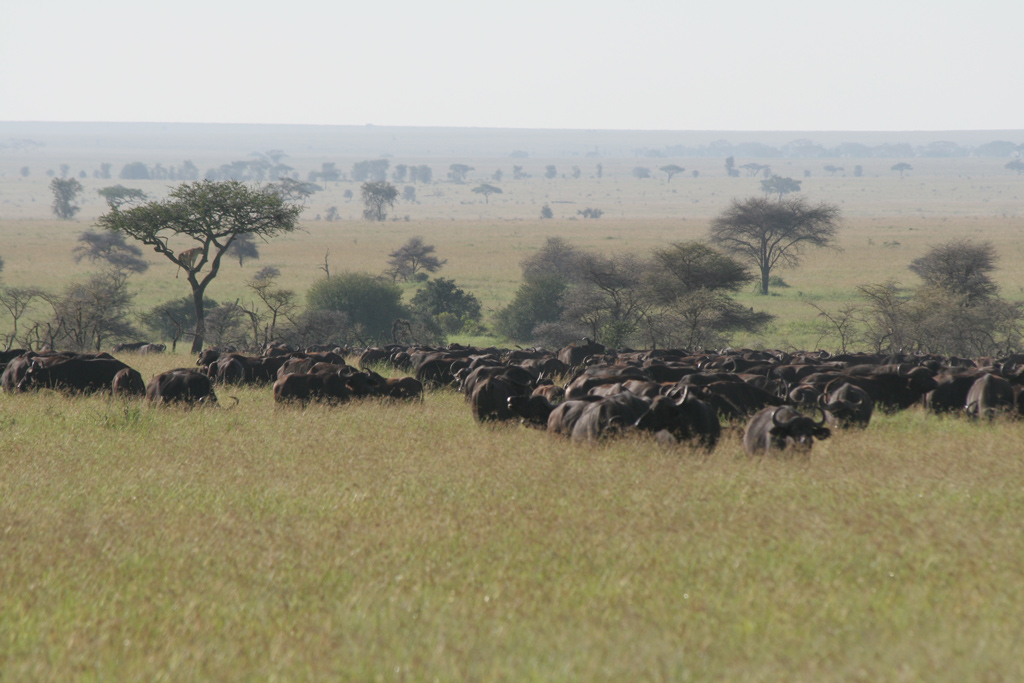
(671, 170)
(291, 190)
(244, 247)
(902, 167)
(174, 319)
(770, 233)
(375, 171)
(447, 303)
(212, 214)
(576, 172)
(961, 267)
(412, 259)
(780, 186)
(641, 172)
(1015, 165)
(135, 170)
(497, 175)
(118, 195)
(65, 192)
(730, 168)
(546, 212)
(550, 171)
(378, 198)
(409, 194)
(280, 302)
(487, 190)
(858, 171)
(457, 172)
(88, 314)
(17, 301)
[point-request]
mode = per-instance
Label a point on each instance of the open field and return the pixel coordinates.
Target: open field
(405, 542)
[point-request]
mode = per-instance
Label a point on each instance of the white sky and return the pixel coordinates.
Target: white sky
(645, 64)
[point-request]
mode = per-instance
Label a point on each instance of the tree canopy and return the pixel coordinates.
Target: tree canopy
(378, 198)
(961, 267)
(780, 186)
(209, 216)
(118, 195)
(65, 192)
(774, 233)
(412, 260)
(486, 190)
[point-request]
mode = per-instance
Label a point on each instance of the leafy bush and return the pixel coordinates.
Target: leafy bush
(371, 304)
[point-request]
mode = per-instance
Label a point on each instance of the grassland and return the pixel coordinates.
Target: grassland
(405, 542)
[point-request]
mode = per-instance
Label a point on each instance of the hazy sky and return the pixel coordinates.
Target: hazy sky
(644, 64)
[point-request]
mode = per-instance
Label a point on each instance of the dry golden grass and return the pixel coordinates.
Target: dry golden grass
(404, 541)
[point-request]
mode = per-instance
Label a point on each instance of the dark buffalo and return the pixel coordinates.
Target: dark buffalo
(564, 417)
(746, 397)
(181, 385)
(610, 415)
(779, 429)
(951, 393)
(402, 388)
(490, 398)
(573, 355)
(848, 406)
(686, 418)
(990, 395)
(128, 382)
(86, 373)
(319, 386)
(533, 410)
(15, 372)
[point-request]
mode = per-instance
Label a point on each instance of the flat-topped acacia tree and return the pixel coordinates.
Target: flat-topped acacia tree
(210, 214)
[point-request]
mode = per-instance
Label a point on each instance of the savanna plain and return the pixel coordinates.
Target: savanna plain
(403, 541)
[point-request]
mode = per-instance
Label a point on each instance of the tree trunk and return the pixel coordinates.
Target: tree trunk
(197, 301)
(765, 272)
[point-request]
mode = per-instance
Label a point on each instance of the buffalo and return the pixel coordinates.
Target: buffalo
(779, 429)
(990, 395)
(181, 385)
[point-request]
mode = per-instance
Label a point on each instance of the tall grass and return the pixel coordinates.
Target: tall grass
(403, 541)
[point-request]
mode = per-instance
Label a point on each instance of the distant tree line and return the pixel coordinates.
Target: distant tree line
(808, 149)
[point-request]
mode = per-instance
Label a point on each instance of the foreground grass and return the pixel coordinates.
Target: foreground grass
(390, 542)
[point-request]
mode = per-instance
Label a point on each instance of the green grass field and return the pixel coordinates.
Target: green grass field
(404, 542)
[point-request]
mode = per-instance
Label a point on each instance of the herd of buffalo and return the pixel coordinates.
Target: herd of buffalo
(583, 391)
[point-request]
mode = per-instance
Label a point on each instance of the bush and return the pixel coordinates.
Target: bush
(538, 300)
(371, 305)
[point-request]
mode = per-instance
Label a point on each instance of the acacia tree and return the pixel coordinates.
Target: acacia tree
(772, 233)
(411, 258)
(210, 214)
(378, 198)
(118, 195)
(780, 186)
(902, 167)
(671, 170)
(486, 190)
